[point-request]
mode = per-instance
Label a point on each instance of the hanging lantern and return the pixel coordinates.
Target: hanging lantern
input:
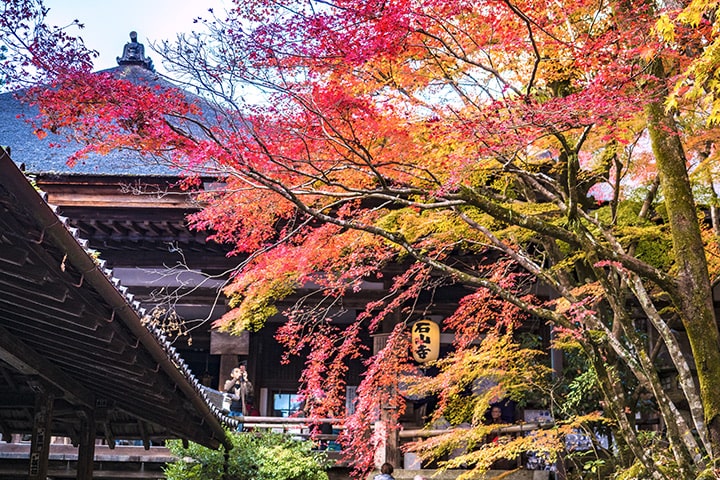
(425, 338)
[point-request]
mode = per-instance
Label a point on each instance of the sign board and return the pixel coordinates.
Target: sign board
(225, 344)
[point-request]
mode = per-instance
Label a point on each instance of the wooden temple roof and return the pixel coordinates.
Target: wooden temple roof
(69, 329)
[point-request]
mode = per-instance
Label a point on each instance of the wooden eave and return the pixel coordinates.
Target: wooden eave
(155, 192)
(69, 330)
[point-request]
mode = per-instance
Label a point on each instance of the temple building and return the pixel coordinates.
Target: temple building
(133, 215)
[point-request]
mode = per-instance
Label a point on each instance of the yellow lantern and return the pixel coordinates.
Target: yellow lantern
(425, 338)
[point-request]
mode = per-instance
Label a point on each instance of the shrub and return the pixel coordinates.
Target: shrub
(255, 456)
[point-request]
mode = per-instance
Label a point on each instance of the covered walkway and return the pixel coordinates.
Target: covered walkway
(76, 359)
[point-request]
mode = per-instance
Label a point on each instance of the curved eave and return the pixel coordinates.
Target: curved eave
(91, 308)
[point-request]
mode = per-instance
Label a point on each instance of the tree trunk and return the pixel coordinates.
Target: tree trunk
(694, 299)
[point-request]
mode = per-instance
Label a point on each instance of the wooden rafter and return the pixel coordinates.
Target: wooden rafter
(16, 353)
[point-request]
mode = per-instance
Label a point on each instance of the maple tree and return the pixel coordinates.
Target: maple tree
(490, 144)
(32, 51)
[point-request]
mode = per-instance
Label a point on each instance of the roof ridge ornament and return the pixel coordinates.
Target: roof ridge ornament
(134, 54)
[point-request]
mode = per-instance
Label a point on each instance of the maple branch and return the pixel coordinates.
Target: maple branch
(582, 138)
(642, 370)
(543, 275)
(454, 84)
(573, 168)
(495, 73)
(642, 366)
(399, 240)
(632, 263)
(538, 57)
(533, 223)
(520, 258)
(530, 21)
(476, 199)
(687, 383)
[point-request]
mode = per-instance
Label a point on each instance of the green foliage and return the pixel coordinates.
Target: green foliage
(261, 456)
(626, 213)
(651, 241)
(581, 392)
(594, 466)
(415, 226)
(459, 410)
(658, 253)
(251, 311)
(707, 474)
(656, 446)
(635, 472)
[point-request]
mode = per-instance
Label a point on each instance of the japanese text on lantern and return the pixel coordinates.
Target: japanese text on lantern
(425, 338)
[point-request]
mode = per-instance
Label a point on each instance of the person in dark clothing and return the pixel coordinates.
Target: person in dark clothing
(495, 418)
(386, 471)
(496, 415)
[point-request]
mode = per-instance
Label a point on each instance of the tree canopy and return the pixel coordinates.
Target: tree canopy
(497, 145)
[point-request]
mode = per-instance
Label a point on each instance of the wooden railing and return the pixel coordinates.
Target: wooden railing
(301, 426)
(516, 428)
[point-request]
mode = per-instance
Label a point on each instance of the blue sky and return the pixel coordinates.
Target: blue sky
(108, 22)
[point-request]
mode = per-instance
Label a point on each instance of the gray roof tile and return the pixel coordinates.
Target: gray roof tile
(39, 156)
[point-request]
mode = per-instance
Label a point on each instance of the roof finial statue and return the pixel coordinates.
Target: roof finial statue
(134, 54)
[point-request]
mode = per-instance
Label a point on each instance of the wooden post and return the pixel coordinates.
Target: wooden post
(40, 443)
(228, 347)
(388, 443)
(86, 449)
(392, 442)
(388, 446)
(227, 363)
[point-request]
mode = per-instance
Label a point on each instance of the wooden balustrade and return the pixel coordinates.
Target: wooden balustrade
(516, 428)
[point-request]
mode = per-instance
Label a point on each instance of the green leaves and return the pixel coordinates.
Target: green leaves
(255, 456)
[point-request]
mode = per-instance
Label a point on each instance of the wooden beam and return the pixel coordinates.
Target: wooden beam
(40, 443)
(86, 448)
(19, 286)
(15, 399)
(8, 378)
(110, 200)
(5, 431)
(107, 474)
(109, 435)
(142, 427)
(27, 361)
(153, 228)
(14, 255)
(100, 226)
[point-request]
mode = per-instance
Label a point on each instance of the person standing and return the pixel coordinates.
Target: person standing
(240, 390)
(386, 471)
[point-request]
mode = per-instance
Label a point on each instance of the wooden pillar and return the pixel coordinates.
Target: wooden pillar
(40, 443)
(393, 457)
(388, 449)
(228, 347)
(227, 363)
(392, 444)
(388, 443)
(86, 448)
(557, 364)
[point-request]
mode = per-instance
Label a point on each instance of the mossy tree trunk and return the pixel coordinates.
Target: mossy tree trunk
(694, 293)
